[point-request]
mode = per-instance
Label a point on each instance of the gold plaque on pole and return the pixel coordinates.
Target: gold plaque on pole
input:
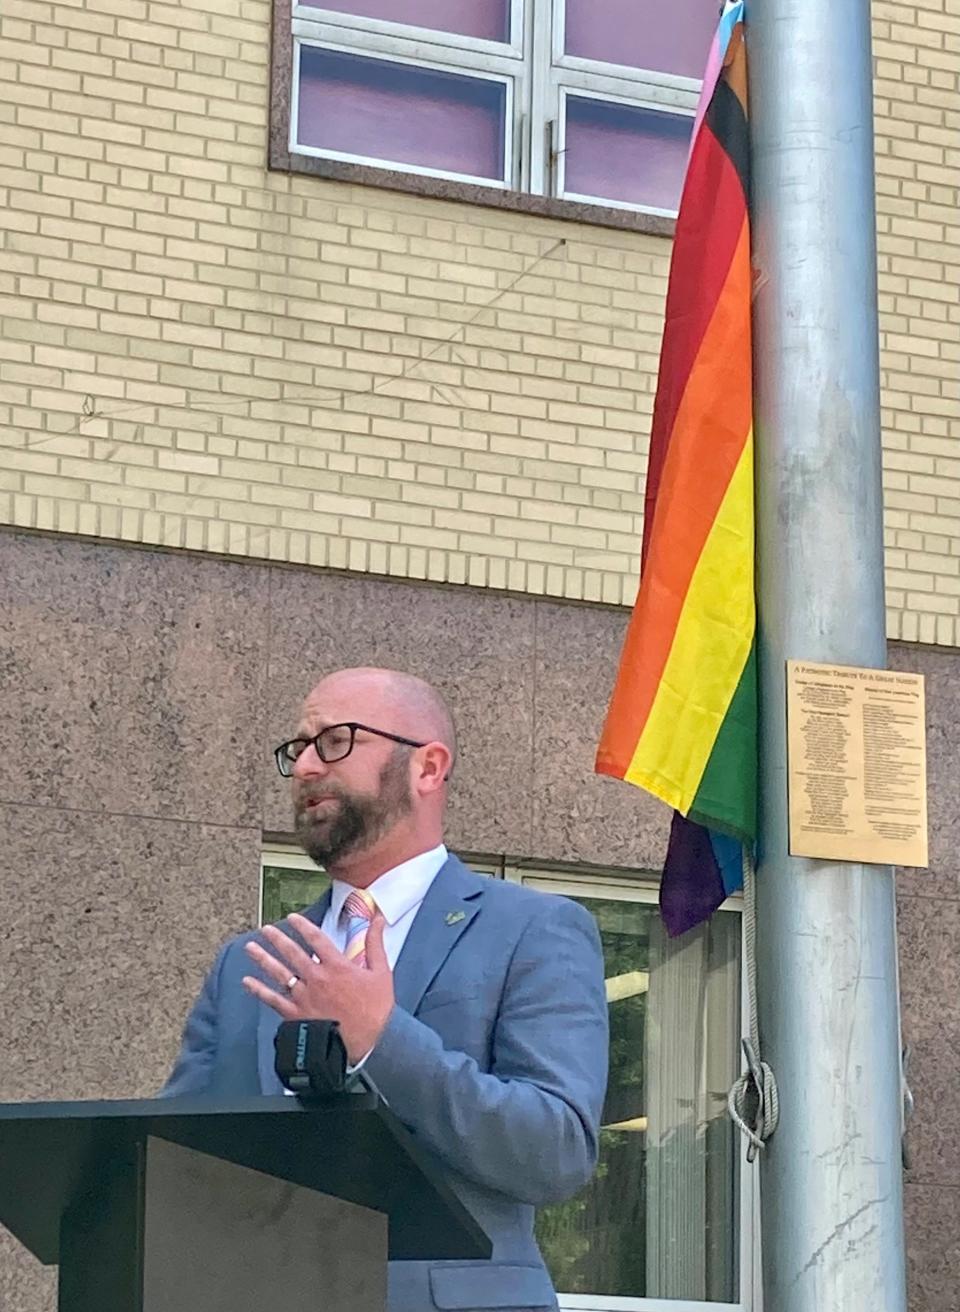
(856, 764)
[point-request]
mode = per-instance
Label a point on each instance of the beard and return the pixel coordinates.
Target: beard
(358, 820)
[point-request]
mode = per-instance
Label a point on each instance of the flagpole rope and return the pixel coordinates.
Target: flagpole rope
(754, 1100)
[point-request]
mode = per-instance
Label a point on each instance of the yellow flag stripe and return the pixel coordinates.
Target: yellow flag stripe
(709, 650)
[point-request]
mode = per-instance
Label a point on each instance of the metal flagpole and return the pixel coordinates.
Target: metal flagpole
(832, 1210)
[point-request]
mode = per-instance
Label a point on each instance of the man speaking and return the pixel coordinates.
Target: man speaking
(476, 1007)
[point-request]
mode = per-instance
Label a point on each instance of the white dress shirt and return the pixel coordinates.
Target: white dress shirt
(397, 892)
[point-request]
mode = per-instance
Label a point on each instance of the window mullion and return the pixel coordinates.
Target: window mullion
(542, 93)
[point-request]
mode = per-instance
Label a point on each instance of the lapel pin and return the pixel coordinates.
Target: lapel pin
(453, 917)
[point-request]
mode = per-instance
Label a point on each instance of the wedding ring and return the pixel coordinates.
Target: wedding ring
(293, 980)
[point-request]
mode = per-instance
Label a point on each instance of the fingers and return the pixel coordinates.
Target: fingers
(288, 950)
(375, 951)
(315, 971)
(312, 936)
(280, 1002)
(278, 971)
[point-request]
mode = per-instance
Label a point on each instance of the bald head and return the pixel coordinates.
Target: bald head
(390, 699)
(368, 801)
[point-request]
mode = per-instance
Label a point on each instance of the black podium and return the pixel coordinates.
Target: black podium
(196, 1205)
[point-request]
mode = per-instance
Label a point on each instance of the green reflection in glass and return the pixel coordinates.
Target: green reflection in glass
(286, 890)
(594, 1244)
(600, 1241)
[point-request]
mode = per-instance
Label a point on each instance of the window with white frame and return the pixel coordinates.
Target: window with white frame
(583, 100)
(290, 880)
(668, 1222)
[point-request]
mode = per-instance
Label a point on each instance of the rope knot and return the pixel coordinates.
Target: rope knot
(754, 1102)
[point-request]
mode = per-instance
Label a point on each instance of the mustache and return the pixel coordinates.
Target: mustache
(306, 794)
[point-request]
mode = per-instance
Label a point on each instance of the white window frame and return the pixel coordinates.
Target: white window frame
(286, 856)
(626, 889)
(606, 98)
(595, 80)
(429, 65)
(668, 81)
(623, 888)
(317, 15)
(538, 77)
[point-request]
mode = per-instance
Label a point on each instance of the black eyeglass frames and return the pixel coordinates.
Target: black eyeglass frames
(334, 743)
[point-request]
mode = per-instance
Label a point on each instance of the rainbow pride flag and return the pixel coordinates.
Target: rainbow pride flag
(682, 721)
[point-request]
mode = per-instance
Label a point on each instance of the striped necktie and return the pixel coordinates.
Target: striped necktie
(358, 910)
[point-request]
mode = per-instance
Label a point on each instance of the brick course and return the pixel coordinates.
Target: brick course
(196, 352)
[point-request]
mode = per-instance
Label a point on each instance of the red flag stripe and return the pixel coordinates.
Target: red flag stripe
(708, 230)
(717, 395)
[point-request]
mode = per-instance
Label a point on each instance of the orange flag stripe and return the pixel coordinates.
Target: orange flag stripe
(717, 406)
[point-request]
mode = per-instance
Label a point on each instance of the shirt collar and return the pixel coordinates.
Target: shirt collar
(396, 891)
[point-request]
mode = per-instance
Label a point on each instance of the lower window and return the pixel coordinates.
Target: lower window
(661, 1218)
(665, 1218)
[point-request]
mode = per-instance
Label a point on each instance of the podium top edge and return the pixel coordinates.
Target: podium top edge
(163, 1108)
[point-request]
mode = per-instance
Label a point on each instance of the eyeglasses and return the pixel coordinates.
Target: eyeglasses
(334, 743)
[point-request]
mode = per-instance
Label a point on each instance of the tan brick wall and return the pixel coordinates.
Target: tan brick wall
(197, 353)
(917, 87)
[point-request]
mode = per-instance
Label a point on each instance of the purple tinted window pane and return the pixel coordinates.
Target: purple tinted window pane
(622, 152)
(487, 19)
(401, 113)
(664, 37)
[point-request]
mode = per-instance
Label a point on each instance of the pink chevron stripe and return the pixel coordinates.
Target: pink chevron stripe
(710, 76)
(359, 909)
(733, 13)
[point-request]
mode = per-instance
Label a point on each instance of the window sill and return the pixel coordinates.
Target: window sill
(612, 1303)
(604, 216)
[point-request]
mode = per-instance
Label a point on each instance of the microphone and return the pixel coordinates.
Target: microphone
(311, 1059)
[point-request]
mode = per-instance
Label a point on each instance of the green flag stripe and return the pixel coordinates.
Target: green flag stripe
(727, 796)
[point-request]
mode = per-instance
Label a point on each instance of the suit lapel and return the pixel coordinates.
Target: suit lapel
(268, 1022)
(451, 903)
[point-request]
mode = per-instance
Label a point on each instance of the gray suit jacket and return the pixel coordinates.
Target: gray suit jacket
(495, 1057)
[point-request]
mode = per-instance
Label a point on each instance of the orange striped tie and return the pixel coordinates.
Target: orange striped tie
(358, 911)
